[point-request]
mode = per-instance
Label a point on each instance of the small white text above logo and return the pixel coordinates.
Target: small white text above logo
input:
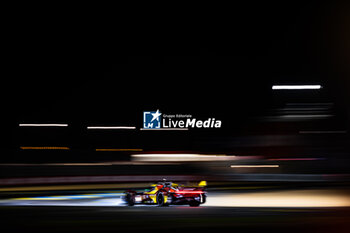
(159, 120)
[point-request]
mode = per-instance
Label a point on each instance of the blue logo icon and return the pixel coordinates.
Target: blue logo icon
(151, 120)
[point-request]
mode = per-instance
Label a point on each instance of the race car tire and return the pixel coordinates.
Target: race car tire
(194, 203)
(160, 199)
(130, 199)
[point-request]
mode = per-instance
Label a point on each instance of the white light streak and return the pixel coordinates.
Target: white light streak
(43, 125)
(253, 166)
(307, 116)
(296, 87)
(180, 157)
(286, 198)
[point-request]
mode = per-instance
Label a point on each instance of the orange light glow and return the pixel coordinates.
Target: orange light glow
(44, 148)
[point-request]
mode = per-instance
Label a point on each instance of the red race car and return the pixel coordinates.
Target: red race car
(168, 193)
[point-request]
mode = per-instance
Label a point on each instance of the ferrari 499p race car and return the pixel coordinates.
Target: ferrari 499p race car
(168, 193)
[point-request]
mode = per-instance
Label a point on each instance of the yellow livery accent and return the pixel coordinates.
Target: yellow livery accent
(154, 198)
(151, 192)
(202, 183)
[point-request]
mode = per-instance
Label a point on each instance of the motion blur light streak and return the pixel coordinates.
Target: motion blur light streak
(254, 166)
(308, 116)
(180, 157)
(119, 150)
(111, 127)
(294, 198)
(189, 192)
(96, 200)
(53, 164)
(68, 187)
(90, 179)
(79, 164)
(296, 87)
(44, 148)
(83, 164)
(70, 197)
(296, 159)
(44, 125)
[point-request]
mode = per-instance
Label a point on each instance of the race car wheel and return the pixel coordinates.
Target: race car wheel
(194, 203)
(160, 199)
(130, 199)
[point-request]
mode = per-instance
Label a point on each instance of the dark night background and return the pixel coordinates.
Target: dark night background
(105, 72)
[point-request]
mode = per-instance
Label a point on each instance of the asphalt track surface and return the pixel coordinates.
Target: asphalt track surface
(127, 219)
(330, 212)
